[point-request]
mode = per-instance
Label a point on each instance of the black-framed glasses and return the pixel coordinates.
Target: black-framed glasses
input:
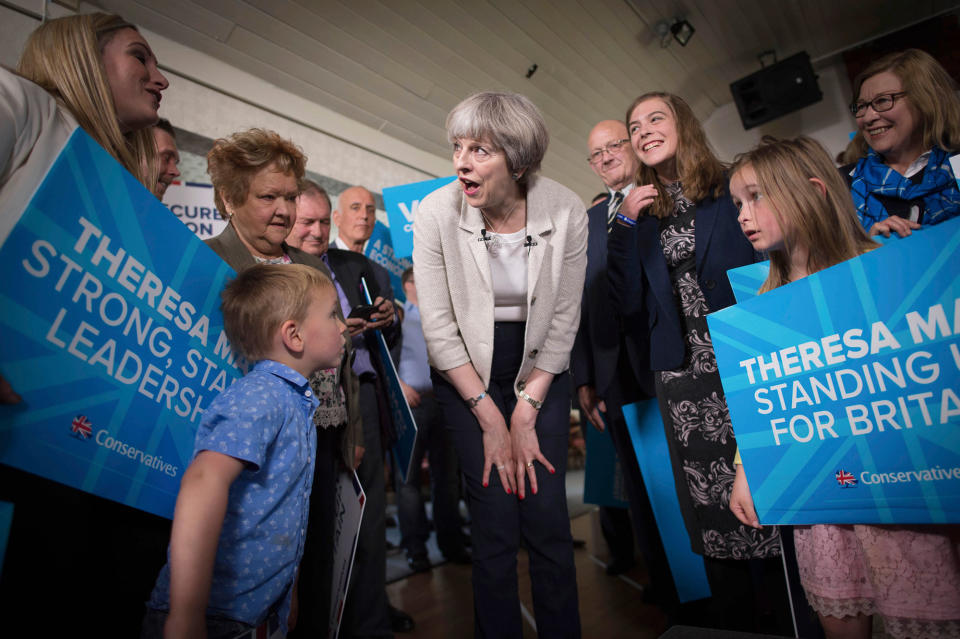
(609, 147)
(881, 103)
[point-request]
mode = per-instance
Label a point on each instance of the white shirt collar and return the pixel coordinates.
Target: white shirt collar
(625, 190)
(340, 244)
(917, 165)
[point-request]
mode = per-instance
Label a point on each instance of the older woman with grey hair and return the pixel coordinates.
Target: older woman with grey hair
(499, 259)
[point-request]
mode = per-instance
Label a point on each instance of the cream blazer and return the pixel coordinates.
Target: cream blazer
(455, 291)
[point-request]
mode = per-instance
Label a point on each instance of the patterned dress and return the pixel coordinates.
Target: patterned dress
(699, 433)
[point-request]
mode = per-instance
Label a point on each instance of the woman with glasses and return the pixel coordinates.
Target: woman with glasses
(908, 113)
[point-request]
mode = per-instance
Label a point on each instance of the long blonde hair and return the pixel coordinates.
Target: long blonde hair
(701, 173)
(64, 57)
(931, 94)
(825, 224)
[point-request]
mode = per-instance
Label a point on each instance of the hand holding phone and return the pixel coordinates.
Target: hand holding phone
(362, 311)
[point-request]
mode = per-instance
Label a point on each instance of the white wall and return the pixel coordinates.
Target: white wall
(828, 121)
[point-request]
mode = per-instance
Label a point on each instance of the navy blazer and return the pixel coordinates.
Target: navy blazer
(596, 349)
(639, 278)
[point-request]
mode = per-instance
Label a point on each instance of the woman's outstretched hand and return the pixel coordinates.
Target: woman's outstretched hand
(741, 501)
(526, 447)
(497, 452)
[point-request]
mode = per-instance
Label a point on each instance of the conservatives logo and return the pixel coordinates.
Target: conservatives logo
(81, 427)
(845, 479)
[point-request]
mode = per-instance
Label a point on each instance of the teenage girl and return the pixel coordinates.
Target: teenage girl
(794, 204)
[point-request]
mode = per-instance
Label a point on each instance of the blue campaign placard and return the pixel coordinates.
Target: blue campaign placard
(645, 426)
(113, 335)
(400, 413)
(747, 280)
(401, 203)
(379, 249)
(844, 387)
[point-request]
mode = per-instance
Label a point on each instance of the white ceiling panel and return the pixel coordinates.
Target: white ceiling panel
(400, 65)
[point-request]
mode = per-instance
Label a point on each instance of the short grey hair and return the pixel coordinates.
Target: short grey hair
(509, 121)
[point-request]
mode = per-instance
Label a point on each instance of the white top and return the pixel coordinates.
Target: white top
(508, 272)
(33, 130)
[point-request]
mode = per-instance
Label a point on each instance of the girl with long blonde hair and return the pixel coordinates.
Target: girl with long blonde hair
(794, 204)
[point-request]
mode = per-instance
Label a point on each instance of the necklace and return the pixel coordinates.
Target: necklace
(495, 243)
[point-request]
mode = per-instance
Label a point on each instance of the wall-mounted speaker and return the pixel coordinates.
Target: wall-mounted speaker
(776, 90)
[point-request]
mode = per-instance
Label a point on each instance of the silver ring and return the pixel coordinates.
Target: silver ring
(529, 464)
(500, 467)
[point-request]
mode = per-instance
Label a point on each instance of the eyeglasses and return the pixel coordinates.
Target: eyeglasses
(609, 147)
(881, 103)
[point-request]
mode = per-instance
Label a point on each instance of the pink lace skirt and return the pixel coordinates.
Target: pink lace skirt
(909, 575)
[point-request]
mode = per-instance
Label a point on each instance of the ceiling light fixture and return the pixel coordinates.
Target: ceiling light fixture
(679, 28)
(682, 31)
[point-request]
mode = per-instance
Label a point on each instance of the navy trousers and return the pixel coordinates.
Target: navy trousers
(501, 521)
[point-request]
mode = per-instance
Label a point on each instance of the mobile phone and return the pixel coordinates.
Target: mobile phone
(362, 311)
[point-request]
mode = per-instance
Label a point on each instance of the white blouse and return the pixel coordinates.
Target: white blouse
(508, 273)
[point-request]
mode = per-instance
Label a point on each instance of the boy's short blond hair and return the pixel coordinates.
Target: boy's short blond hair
(261, 298)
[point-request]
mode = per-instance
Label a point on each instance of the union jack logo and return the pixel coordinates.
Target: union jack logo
(845, 479)
(80, 427)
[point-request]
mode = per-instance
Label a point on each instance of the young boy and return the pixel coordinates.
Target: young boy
(241, 514)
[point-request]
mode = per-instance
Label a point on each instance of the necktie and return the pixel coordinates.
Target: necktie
(614, 208)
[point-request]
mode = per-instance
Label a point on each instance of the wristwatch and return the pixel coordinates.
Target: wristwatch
(533, 402)
(473, 401)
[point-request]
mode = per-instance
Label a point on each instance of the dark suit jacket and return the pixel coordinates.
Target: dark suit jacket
(232, 250)
(600, 338)
(639, 278)
(349, 267)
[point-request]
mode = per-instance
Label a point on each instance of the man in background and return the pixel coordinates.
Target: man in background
(367, 612)
(167, 154)
(432, 441)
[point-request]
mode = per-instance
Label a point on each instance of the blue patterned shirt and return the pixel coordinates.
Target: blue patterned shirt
(264, 420)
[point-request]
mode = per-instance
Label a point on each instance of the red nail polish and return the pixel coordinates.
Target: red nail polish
(552, 471)
(484, 484)
(521, 497)
(508, 492)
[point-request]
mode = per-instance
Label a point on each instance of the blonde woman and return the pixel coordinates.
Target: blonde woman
(111, 88)
(94, 71)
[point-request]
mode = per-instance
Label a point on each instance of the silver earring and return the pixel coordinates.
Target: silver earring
(516, 176)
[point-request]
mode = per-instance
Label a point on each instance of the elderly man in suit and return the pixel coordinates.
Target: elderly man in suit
(367, 612)
(604, 375)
